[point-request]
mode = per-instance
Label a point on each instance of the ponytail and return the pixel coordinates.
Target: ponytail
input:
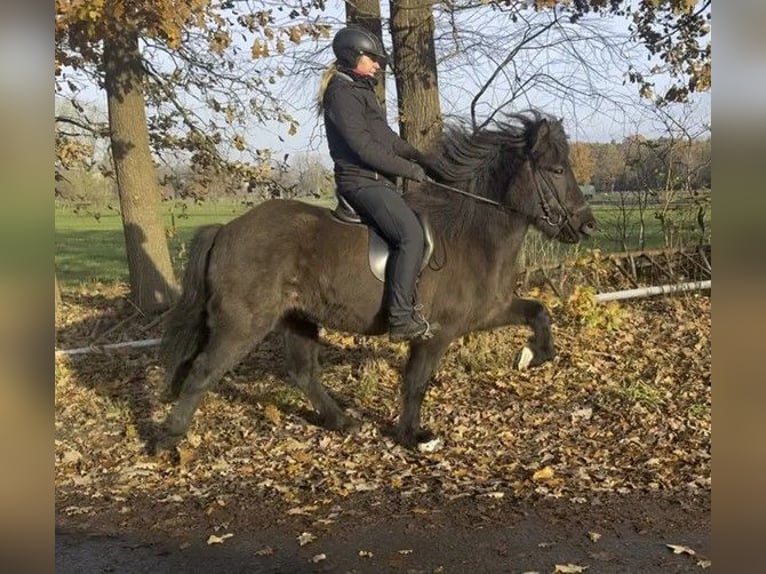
(327, 75)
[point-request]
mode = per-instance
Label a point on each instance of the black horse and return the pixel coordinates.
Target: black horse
(293, 266)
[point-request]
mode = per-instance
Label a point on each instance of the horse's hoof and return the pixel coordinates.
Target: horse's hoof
(164, 441)
(423, 440)
(167, 396)
(433, 445)
(523, 359)
(165, 444)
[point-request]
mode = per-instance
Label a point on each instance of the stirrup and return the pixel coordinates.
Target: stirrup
(422, 323)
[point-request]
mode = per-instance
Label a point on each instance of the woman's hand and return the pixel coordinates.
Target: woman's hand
(417, 173)
(432, 167)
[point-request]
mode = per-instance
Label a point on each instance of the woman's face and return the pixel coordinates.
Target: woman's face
(366, 66)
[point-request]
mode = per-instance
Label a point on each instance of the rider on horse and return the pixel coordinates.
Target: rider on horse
(368, 156)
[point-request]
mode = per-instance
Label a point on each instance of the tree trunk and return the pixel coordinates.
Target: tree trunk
(367, 13)
(417, 89)
(152, 282)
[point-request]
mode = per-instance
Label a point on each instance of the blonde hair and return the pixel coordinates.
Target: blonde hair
(324, 81)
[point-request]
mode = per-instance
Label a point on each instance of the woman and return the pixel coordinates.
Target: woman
(368, 156)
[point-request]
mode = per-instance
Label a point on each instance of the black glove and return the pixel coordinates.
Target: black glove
(417, 173)
(432, 167)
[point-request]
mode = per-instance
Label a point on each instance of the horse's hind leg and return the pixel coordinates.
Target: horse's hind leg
(302, 356)
(539, 347)
(233, 333)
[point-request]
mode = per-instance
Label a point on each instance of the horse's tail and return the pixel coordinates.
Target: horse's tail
(185, 329)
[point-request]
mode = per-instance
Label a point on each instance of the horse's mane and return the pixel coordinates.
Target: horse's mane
(486, 163)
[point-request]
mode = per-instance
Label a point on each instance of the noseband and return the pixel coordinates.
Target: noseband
(564, 216)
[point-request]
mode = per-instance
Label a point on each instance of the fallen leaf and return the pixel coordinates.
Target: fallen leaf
(570, 568)
(545, 473)
(306, 538)
(406, 551)
(267, 551)
(584, 414)
(678, 549)
(365, 554)
(594, 536)
(303, 509)
(318, 558)
(272, 414)
(704, 563)
(71, 456)
(185, 456)
(213, 539)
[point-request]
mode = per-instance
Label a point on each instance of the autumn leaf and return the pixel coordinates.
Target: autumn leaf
(306, 538)
(272, 414)
(266, 551)
(213, 539)
(545, 473)
(569, 568)
(678, 549)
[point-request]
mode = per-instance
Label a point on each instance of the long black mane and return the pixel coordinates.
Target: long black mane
(486, 163)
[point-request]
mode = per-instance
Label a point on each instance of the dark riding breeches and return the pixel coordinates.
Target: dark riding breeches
(383, 207)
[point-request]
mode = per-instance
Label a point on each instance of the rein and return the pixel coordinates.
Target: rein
(564, 217)
(468, 194)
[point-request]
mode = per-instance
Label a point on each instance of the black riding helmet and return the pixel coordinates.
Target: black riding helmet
(353, 41)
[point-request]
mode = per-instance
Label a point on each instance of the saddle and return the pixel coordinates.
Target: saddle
(378, 248)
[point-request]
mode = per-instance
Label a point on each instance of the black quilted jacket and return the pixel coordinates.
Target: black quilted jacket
(362, 145)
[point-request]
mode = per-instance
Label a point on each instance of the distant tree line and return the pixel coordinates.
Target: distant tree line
(638, 163)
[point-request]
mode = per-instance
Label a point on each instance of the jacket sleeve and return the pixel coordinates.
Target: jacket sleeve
(346, 111)
(400, 145)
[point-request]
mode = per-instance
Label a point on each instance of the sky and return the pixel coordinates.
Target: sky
(606, 108)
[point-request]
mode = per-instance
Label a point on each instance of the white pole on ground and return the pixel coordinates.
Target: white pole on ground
(111, 346)
(649, 291)
(600, 298)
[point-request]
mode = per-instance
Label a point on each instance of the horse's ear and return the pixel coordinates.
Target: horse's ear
(542, 135)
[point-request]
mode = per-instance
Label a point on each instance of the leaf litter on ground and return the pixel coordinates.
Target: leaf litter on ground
(622, 408)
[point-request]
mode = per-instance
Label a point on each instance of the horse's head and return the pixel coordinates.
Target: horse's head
(546, 189)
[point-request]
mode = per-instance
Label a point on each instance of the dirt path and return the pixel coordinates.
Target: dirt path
(620, 534)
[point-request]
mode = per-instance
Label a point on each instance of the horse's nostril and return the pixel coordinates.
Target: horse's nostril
(589, 227)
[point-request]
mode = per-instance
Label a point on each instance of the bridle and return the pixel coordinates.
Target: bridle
(541, 178)
(564, 215)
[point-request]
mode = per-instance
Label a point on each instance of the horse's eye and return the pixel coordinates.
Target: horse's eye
(558, 170)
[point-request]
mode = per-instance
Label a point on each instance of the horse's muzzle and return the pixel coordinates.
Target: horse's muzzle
(588, 228)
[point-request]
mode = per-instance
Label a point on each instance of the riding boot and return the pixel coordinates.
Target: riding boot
(412, 326)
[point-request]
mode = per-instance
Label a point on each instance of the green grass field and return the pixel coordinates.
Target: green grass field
(90, 246)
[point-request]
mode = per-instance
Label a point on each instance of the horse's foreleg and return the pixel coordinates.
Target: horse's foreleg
(423, 360)
(535, 315)
(302, 356)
